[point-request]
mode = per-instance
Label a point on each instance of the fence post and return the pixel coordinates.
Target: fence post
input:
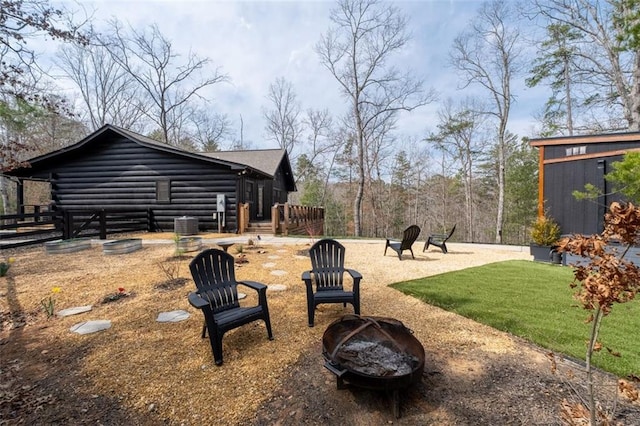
(150, 221)
(67, 224)
(103, 225)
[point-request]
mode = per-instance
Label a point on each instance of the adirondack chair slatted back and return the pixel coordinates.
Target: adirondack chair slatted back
(410, 236)
(327, 262)
(214, 275)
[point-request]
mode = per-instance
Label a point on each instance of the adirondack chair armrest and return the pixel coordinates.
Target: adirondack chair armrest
(306, 277)
(259, 287)
(354, 274)
(197, 301)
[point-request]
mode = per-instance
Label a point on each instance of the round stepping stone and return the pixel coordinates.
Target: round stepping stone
(74, 311)
(274, 257)
(268, 265)
(297, 256)
(173, 316)
(87, 327)
(282, 251)
(277, 287)
(278, 273)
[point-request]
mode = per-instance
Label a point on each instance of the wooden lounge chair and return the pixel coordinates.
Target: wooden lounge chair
(439, 240)
(217, 297)
(327, 272)
(409, 237)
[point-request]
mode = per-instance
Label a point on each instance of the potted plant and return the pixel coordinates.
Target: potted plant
(545, 233)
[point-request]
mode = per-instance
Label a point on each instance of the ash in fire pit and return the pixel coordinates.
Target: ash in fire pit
(374, 353)
(375, 359)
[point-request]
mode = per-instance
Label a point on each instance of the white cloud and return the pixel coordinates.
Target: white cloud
(255, 42)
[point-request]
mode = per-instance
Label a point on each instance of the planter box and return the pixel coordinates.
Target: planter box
(545, 254)
(188, 244)
(67, 246)
(633, 255)
(122, 246)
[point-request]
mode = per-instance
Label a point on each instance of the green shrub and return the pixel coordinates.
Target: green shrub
(545, 231)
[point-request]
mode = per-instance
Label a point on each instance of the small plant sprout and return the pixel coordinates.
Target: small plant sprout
(5, 265)
(49, 303)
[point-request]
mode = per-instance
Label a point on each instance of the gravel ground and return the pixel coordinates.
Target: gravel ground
(148, 373)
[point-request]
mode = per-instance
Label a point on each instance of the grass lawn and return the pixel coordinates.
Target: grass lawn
(534, 301)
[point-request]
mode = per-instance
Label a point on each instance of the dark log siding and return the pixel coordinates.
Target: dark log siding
(116, 173)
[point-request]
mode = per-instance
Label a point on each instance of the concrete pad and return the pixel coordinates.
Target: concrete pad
(88, 327)
(74, 311)
(173, 316)
(277, 287)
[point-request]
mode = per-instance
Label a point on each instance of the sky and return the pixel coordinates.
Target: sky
(255, 42)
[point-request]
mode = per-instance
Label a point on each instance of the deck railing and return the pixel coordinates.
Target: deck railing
(297, 220)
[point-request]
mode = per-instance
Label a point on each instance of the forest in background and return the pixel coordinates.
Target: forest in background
(469, 170)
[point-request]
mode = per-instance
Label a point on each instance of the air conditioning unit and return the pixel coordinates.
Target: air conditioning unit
(185, 225)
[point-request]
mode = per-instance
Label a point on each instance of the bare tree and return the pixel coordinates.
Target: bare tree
(210, 129)
(109, 93)
(611, 64)
(487, 56)
(460, 135)
(169, 85)
(283, 119)
(358, 50)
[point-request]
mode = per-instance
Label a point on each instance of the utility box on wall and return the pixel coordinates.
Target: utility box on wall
(221, 206)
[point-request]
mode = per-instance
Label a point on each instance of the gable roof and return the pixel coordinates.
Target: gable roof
(261, 162)
(266, 160)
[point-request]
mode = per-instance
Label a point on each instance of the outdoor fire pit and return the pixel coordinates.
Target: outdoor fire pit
(373, 353)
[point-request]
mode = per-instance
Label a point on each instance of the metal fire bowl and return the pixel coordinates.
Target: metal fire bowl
(339, 329)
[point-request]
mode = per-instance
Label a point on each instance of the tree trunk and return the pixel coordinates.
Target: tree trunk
(634, 125)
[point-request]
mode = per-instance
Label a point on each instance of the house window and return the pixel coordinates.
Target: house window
(163, 191)
(576, 150)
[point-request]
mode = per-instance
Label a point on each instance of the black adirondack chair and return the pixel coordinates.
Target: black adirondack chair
(327, 271)
(409, 237)
(439, 240)
(217, 297)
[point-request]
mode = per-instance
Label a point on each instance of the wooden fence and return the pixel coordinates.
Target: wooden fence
(40, 225)
(297, 220)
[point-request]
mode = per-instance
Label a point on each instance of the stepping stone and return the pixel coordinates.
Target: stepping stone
(282, 251)
(241, 296)
(274, 257)
(297, 256)
(88, 327)
(278, 273)
(268, 265)
(277, 287)
(74, 311)
(173, 316)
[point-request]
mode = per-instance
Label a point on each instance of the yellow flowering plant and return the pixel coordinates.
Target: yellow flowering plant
(5, 265)
(49, 303)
